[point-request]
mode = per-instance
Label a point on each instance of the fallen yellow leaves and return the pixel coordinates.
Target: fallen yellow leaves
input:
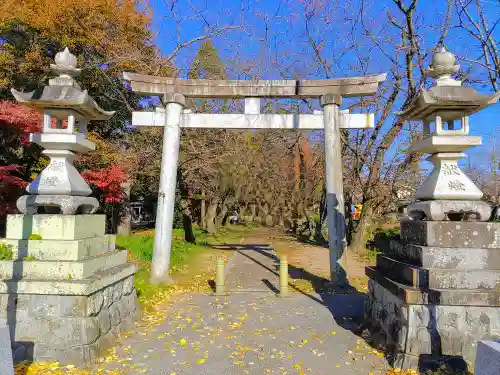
(398, 371)
(154, 314)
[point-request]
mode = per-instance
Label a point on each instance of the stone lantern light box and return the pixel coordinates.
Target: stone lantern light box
(59, 186)
(447, 193)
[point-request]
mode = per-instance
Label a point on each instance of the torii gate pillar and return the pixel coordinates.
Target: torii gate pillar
(334, 185)
(174, 105)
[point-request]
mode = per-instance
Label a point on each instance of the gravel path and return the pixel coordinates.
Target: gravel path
(252, 331)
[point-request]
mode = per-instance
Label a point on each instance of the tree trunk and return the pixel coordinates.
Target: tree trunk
(349, 230)
(187, 221)
(253, 209)
(203, 211)
(221, 219)
(211, 216)
(125, 221)
(359, 239)
(281, 217)
(263, 214)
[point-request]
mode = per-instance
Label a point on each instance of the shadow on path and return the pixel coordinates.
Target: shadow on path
(346, 304)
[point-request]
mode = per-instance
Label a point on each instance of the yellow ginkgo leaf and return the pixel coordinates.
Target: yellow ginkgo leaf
(201, 361)
(183, 342)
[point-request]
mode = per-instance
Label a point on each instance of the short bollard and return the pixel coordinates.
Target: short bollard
(219, 277)
(283, 276)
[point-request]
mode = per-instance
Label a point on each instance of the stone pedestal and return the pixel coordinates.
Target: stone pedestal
(435, 292)
(68, 295)
(487, 358)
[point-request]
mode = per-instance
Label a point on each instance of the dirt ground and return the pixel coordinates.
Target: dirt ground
(312, 258)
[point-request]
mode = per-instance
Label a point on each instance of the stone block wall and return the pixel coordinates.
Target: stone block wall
(435, 292)
(69, 329)
(66, 296)
(411, 332)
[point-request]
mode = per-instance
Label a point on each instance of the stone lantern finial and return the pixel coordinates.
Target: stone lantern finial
(442, 67)
(65, 67)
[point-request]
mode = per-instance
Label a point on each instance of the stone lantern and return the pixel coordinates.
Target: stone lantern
(66, 111)
(67, 291)
(445, 109)
(434, 292)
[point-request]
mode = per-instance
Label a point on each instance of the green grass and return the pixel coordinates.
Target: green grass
(141, 242)
(6, 252)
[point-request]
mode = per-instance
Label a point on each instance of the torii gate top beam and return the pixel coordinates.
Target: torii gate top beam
(227, 89)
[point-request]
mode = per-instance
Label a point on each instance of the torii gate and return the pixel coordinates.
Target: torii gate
(173, 117)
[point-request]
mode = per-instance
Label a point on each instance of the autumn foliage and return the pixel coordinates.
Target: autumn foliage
(109, 181)
(10, 187)
(16, 122)
(19, 120)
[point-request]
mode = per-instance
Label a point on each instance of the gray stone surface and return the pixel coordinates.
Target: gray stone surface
(55, 227)
(421, 331)
(69, 205)
(6, 364)
(462, 234)
(438, 278)
(487, 358)
(424, 296)
(86, 286)
(450, 210)
(70, 329)
(61, 250)
(61, 270)
(443, 257)
(198, 88)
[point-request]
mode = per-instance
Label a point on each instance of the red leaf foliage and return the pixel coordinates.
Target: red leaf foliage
(10, 188)
(20, 119)
(6, 179)
(109, 181)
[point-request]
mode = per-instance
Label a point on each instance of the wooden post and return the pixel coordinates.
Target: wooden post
(334, 185)
(166, 195)
(283, 276)
(219, 277)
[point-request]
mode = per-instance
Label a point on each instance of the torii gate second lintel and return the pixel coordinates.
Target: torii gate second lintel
(173, 117)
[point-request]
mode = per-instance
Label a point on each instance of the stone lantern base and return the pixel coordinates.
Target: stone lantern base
(66, 296)
(435, 292)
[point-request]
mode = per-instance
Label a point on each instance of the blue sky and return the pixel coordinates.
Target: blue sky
(273, 37)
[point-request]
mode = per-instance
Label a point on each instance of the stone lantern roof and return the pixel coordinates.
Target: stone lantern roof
(63, 92)
(447, 95)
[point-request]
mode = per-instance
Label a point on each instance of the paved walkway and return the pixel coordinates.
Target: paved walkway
(252, 331)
